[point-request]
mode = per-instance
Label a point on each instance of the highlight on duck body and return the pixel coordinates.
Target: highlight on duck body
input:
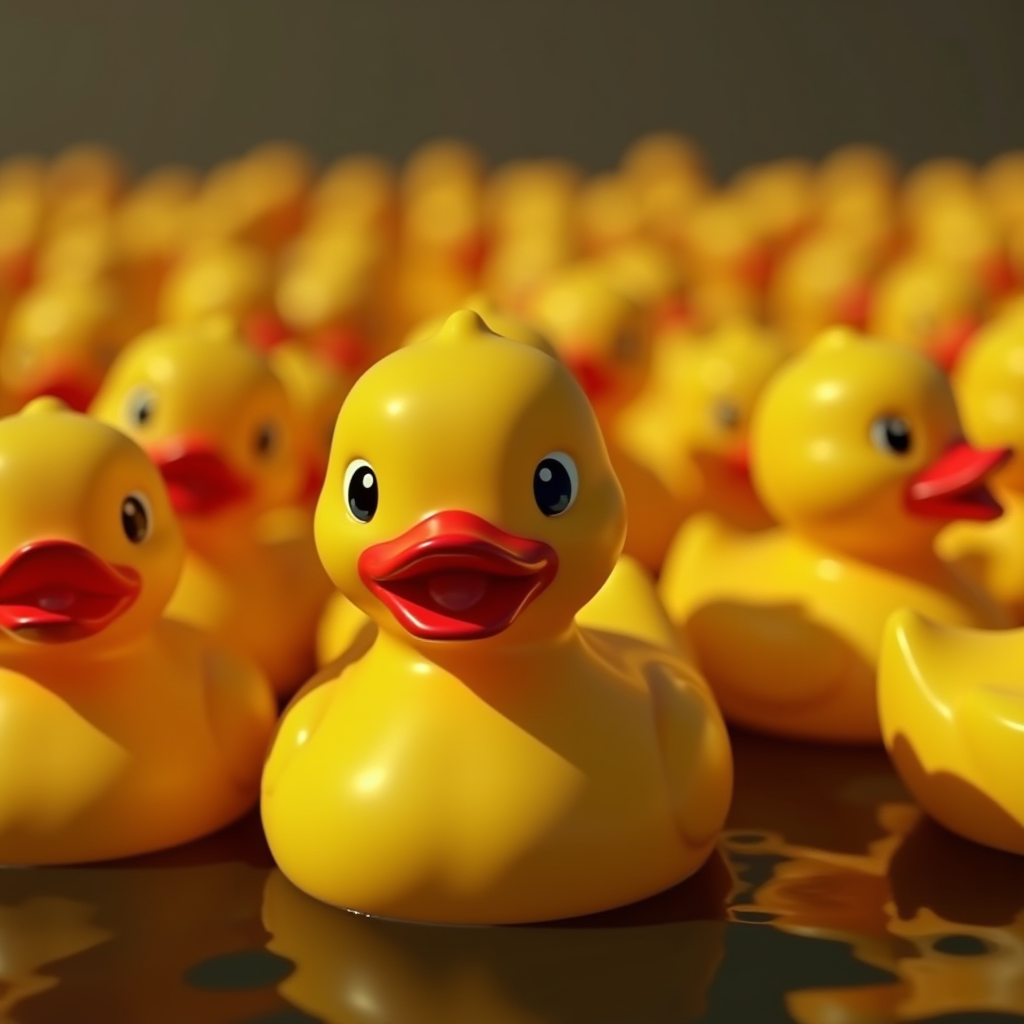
(212, 414)
(123, 731)
(461, 768)
(858, 452)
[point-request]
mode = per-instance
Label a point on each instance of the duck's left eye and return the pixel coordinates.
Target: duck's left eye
(266, 437)
(727, 414)
(892, 435)
(361, 493)
(555, 483)
(140, 407)
(136, 517)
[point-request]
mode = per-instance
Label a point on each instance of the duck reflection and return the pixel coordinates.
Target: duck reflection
(127, 942)
(650, 962)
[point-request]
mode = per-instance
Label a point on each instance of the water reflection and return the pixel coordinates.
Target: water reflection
(833, 901)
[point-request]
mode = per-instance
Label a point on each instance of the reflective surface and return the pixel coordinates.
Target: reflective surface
(831, 902)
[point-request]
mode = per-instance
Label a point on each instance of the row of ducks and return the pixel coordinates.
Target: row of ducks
(504, 694)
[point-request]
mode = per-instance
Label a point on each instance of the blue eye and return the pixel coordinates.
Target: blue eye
(555, 483)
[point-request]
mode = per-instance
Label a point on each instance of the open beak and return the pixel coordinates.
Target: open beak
(61, 591)
(953, 486)
(595, 379)
(265, 330)
(455, 576)
(949, 344)
(199, 481)
(738, 460)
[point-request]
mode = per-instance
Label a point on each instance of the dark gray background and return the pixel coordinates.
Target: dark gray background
(199, 80)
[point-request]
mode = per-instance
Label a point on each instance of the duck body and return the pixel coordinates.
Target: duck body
(156, 747)
(442, 798)
(951, 703)
(463, 763)
(790, 632)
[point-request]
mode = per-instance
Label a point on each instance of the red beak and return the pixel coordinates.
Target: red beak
(63, 590)
(739, 461)
(199, 481)
(343, 347)
(673, 313)
(592, 376)
(755, 268)
(455, 576)
(953, 487)
(949, 344)
(854, 307)
(999, 275)
(266, 330)
(74, 386)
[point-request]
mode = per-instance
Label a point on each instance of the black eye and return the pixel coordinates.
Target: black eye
(140, 407)
(361, 492)
(266, 437)
(136, 517)
(727, 415)
(891, 434)
(555, 483)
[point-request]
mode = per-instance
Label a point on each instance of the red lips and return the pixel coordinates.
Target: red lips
(198, 479)
(455, 576)
(953, 487)
(63, 590)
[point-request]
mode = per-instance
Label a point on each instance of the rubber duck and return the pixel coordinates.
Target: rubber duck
(1002, 185)
(952, 711)
(858, 453)
(215, 419)
(217, 278)
(927, 305)
(779, 200)
(123, 731)
(989, 384)
(60, 341)
(600, 335)
(530, 197)
(694, 432)
(608, 213)
(83, 182)
(357, 193)
(436, 772)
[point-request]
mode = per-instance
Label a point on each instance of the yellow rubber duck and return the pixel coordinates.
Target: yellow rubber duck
(460, 769)
(214, 417)
(60, 341)
(927, 305)
(951, 703)
(122, 731)
(600, 335)
(989, 384)
(694, 430)
(857, 451)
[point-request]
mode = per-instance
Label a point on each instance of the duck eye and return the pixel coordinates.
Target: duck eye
(727, 414)
(136, 517)
(891, 434)
(140, 407)
(361, 494)
(555, 483)
(266, 437)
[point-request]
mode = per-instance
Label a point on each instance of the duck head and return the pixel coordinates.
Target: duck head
(90, 551)
(598, 333)
(469, 496)
(989, 386)
(60, 341)
(857, 445)
(214, 418)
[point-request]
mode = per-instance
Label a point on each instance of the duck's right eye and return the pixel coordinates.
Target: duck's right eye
(891, 434)
(361, 492)
(140, 407)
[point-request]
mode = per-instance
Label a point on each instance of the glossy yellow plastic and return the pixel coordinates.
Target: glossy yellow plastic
(222, 277)
(602, 337)
(121, 734)
(215, 417)
(989, 384)
(692, 424)
(787, 624)
(951, 703)
(465, 780)
(61, 340)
